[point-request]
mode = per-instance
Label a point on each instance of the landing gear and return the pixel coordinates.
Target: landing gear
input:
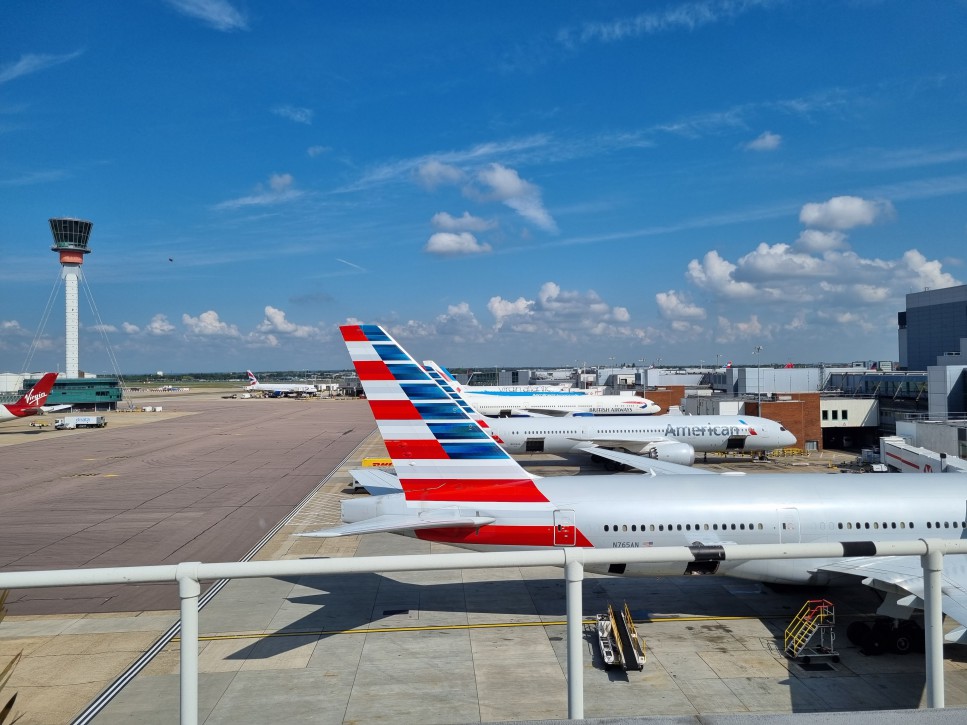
(886, 635)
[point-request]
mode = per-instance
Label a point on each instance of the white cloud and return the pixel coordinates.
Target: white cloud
(314, 151)
(33, 63)
(466, 223)
(813, 241)
(218, 14)
(505, 185)
(927, 274)
(208, 324)
(130, 329)
(103, 328)
(433, 173)
(683, 16)
(280, 189)
(845, 212)
(715, 274)
(502, 309)
(159, 325)
(448, 243)
(294, 113)
(275, 321)
(766, 141)
(673, 306)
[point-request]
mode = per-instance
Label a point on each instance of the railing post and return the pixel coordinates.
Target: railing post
(574, 575)
(189, 589)
(932, 563)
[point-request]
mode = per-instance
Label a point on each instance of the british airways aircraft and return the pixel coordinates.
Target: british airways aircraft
(280, 388)
(550, 404)
(455, 485)
(637, 441)
(32, 402)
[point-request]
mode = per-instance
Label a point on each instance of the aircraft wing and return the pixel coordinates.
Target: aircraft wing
(644, 463)
(375, 481)
(396, 523)
(901, 577)
(545, 413)
(54, 408)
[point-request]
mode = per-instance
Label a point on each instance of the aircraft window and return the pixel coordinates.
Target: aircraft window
(936, 524)
(849, 524)
(858, 525)
(759, 527)
(946, 524)
(893, 525)
(750, 527)
(876, 524)
(605, 527)
(651, 527)
(705, 526)
(661, 527)
(783, 525)
(839, 526)
(884, 524)
(688, 527)
(928, 524)
(715, 527)
(634, 528)
(911, 525)
(679, 527)
(903, 524)
(742, 526)
(624, 527)
(867, 525)
(733, 527)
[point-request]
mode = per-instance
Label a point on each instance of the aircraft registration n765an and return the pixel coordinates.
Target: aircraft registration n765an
(454, 484)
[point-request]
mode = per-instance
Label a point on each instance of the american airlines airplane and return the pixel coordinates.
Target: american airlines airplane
(455, 485)
(550, 404)
(280, 388)
(32, 402)
(635, 440)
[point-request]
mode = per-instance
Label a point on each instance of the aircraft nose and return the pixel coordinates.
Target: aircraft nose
(786, 439)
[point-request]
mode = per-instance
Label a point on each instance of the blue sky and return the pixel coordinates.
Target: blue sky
(506, 183)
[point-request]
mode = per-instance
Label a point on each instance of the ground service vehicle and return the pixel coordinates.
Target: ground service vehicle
(70, 422)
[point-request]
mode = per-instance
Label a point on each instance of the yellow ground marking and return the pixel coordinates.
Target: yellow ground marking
(446, 627)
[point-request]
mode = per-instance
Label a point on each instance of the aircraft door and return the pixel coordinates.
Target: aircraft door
(788, 526)
(534, 445)
(564, 530)
(735, 443)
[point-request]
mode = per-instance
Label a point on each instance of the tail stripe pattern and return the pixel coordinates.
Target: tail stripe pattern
(422, 425)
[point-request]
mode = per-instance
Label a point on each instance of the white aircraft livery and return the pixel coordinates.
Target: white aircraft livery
(456, 485)
(550, 404)
(31, 403)
(280, 388)
(635, 440)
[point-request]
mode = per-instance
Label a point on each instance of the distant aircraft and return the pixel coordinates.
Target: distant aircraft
(31, 403)
(545, 404)
(635, 440)
(280, 389)
(456, 485)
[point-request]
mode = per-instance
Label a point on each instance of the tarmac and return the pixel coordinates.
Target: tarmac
(422, 647)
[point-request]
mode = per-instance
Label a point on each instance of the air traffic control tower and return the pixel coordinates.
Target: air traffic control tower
(70, 240)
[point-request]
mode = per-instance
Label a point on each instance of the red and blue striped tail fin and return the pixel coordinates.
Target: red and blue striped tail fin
(438, 449)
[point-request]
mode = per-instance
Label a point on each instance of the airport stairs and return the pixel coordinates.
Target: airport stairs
(817, 617)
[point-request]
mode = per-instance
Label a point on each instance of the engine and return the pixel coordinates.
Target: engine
(671, 452)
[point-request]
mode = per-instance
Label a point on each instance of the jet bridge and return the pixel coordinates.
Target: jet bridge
(906, 458)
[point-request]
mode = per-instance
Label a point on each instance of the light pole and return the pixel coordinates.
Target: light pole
(758, 377)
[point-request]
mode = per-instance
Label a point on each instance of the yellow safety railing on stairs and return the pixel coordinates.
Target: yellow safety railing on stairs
(814, 614)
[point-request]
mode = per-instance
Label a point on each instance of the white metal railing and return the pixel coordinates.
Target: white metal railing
(573, 560)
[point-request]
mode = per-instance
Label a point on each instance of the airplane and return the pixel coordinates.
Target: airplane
(280, 389)
(551, 404)
(32, 402)
(456, 485)
(635, 440)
